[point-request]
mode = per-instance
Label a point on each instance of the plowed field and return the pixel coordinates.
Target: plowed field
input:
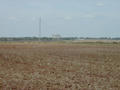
(47, 66)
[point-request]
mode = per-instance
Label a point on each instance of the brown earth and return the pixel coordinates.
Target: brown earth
(34, 66)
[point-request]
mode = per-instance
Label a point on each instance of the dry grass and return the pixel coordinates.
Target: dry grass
(34, 66)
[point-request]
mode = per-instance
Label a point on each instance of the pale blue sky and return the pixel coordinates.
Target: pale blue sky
(82, 18)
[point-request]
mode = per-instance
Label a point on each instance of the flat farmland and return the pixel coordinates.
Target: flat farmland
(59, 66)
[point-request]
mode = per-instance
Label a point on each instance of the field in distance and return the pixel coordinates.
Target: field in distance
(59, 66)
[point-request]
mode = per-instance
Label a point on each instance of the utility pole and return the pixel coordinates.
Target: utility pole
(39, 36)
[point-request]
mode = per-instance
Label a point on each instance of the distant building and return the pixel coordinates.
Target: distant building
(56, 36)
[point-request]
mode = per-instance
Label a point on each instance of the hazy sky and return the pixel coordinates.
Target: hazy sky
(82, 18)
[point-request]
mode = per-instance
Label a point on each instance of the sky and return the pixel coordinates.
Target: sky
(69, 18)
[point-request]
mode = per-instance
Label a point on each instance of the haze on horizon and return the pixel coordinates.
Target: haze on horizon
(81, 18)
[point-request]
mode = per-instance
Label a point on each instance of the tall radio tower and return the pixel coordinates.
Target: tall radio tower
(40, 28)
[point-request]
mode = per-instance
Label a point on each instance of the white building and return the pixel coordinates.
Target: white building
(56, 36)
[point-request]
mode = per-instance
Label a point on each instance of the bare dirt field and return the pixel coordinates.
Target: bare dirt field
(59, 66)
